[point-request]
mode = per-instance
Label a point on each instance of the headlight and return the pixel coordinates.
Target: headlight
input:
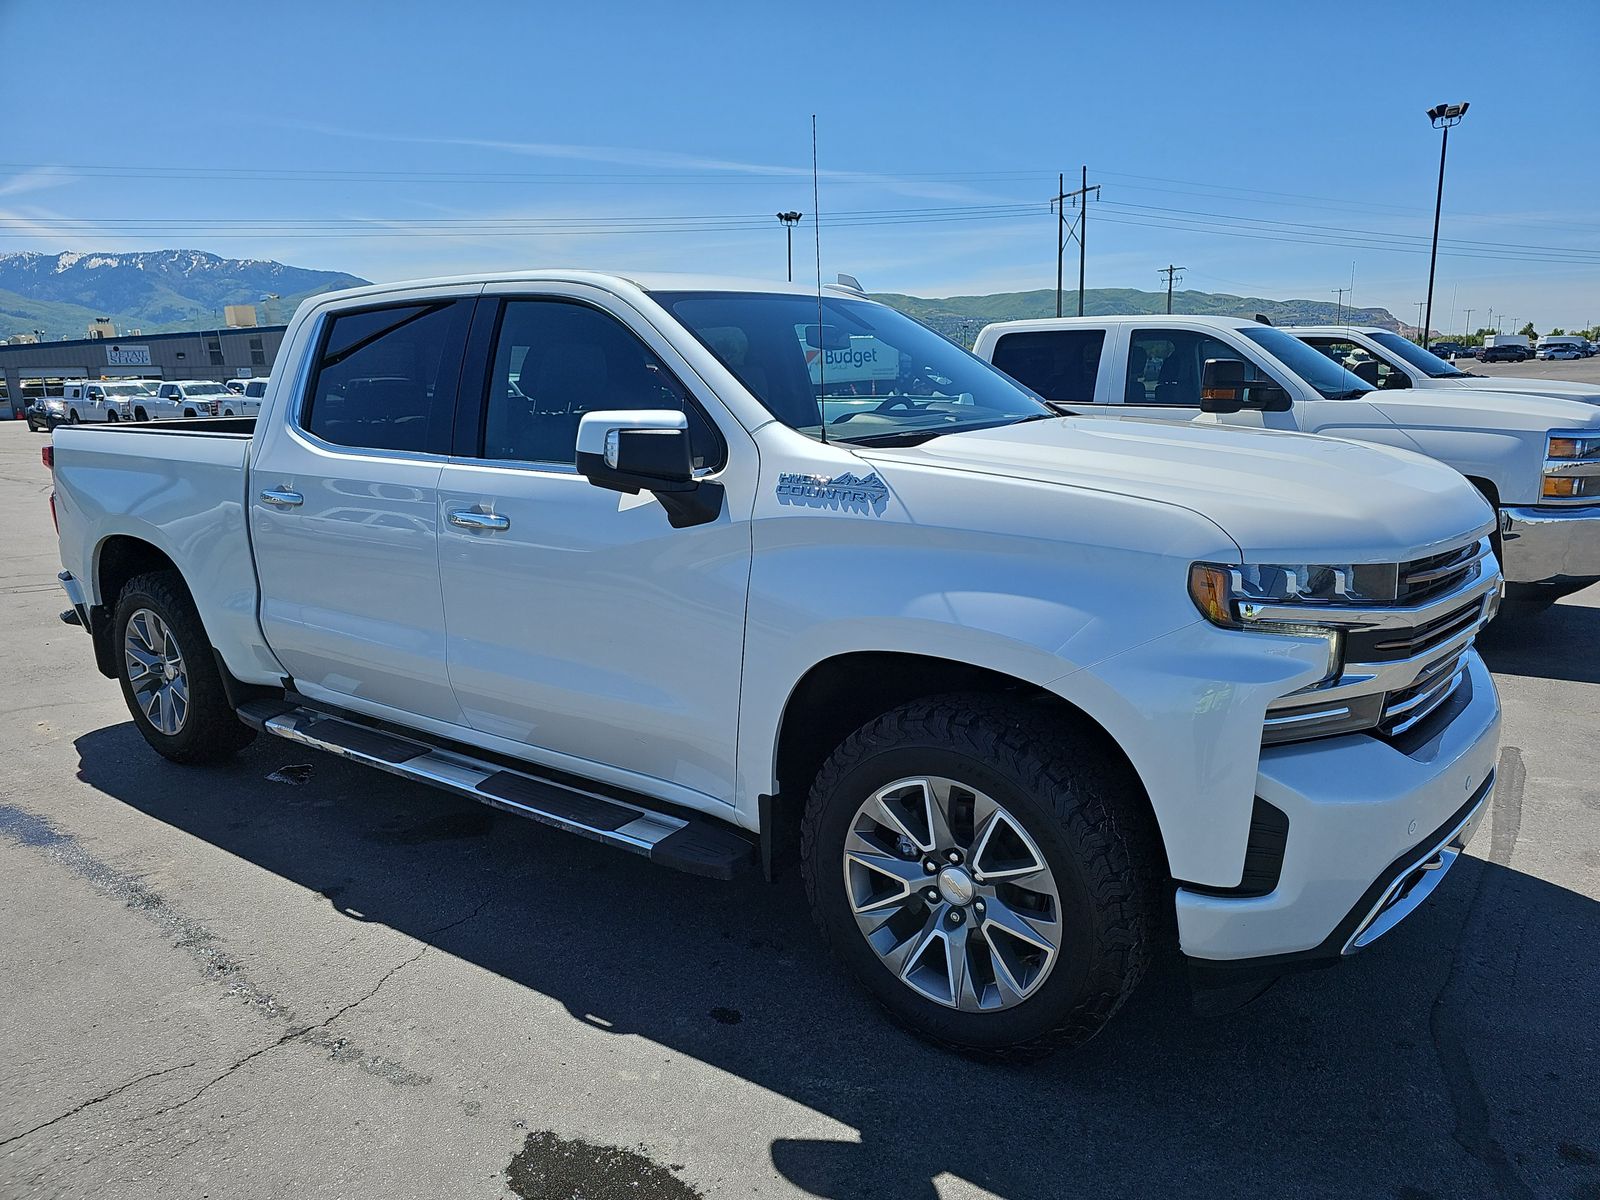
(1232, 597)
(1573, 445)
(1572, 465)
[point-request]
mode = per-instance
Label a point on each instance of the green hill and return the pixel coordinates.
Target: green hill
(960, 317)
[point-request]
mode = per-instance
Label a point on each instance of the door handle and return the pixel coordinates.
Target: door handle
(282, 498)
(466, 518)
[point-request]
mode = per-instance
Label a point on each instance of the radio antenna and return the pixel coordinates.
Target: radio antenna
(822, 337)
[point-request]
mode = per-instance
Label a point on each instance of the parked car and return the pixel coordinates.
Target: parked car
(44, 412)
(1402, 365)
(185, 398)
(1536, 458)
(104, 401)
(1447, 350)
(1490, 354)
(248, 403)
(1561, 350)
(236, 386)
(725, 574)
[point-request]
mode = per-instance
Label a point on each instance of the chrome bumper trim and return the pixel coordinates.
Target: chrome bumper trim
(1544, 545)
(1416, 882)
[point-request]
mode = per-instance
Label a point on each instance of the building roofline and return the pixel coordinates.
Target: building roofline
(140, 337)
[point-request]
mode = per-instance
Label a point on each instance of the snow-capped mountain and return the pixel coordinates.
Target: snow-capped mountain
(151, 290)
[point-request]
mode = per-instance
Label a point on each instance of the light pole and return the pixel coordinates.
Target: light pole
(790, 220)
(1445, 117)
(1424, 342)
(1469, 322)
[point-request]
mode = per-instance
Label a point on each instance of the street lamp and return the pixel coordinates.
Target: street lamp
(790, 220)
(1445, 117)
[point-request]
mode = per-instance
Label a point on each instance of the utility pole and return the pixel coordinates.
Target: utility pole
(1169, 271)
(1063, 235)
(1423, 332)
(790, 220)
(1061, 232)
(1469, 322)
(1339, 307)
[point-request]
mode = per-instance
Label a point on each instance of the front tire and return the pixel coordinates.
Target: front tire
(169, 675)
(984, 873)
(140, 415)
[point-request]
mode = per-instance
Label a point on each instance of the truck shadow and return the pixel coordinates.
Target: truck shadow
(1555, 644)
(1367, 1080)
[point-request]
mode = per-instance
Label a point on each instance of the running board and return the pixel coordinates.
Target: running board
(698, 845)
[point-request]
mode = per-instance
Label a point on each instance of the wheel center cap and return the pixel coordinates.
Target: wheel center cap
(169, 671)
(956, 886)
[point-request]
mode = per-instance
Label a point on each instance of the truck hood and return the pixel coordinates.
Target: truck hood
(1283, 497)
(1561, 388)
(1484, 408)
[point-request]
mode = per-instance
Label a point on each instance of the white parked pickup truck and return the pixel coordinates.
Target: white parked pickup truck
(622, 556)
(110, 401)
(184, 399)
(1536, 458)
(1390, 362)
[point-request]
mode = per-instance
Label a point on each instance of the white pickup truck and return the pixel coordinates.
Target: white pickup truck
(109, 401)
(1390, 362)
(183, 399)
(618, 556)
(1536, 458)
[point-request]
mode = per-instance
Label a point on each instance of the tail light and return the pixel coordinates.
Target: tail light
(48, 454)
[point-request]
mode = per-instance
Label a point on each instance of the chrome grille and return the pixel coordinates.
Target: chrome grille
(1409, 706)
(1423, 578)
(1390, 644)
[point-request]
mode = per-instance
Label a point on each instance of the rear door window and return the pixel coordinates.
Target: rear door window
(1059, 364)
(386, 377)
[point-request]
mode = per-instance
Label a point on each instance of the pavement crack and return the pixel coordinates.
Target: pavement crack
(1473, 1131)
(100, 1099)
(308, 1033)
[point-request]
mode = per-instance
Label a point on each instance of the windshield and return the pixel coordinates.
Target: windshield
(205, 389)
(1331, 381)
(1430, 365)
(128, 389)
(873, 374)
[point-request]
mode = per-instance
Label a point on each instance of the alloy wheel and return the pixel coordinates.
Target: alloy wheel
(952, 894)
(156, 672)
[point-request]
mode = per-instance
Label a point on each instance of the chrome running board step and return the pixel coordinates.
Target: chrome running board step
(686, 842)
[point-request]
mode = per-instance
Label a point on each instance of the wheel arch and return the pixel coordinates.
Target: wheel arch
(117, 559)
(841, 693)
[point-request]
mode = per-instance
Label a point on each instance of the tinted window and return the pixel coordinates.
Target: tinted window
(555, 361)
(1059, 364)
(386, 378)
(1359, 361)
(255, 390)
(1164, 365)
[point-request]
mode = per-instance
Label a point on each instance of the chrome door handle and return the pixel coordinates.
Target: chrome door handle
(466, 518)
(282, 498)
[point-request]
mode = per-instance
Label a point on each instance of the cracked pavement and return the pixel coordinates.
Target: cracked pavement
(218, 984)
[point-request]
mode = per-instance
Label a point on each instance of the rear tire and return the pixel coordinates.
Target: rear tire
(1080, 876)
(169, 675)
(72, 417)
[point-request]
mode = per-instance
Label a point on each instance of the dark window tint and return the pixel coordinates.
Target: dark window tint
(555, 361)
(1164, 365)
(386, 378)
(1059, 364)
(258, 353)
(1359, 361)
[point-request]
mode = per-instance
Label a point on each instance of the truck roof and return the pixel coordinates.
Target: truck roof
(1042, 324)
(650, 281)
(1369, 330)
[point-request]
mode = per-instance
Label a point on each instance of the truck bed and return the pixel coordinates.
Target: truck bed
(178, 486)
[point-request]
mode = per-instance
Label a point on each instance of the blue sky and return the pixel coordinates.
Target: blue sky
(1272, 149)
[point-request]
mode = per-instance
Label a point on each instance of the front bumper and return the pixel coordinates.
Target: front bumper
(1550, 545)
(1365, 817)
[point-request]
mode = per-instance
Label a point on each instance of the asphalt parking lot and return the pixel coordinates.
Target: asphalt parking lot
(291, 976)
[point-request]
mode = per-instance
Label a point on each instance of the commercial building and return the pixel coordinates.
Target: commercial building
(43, 368)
